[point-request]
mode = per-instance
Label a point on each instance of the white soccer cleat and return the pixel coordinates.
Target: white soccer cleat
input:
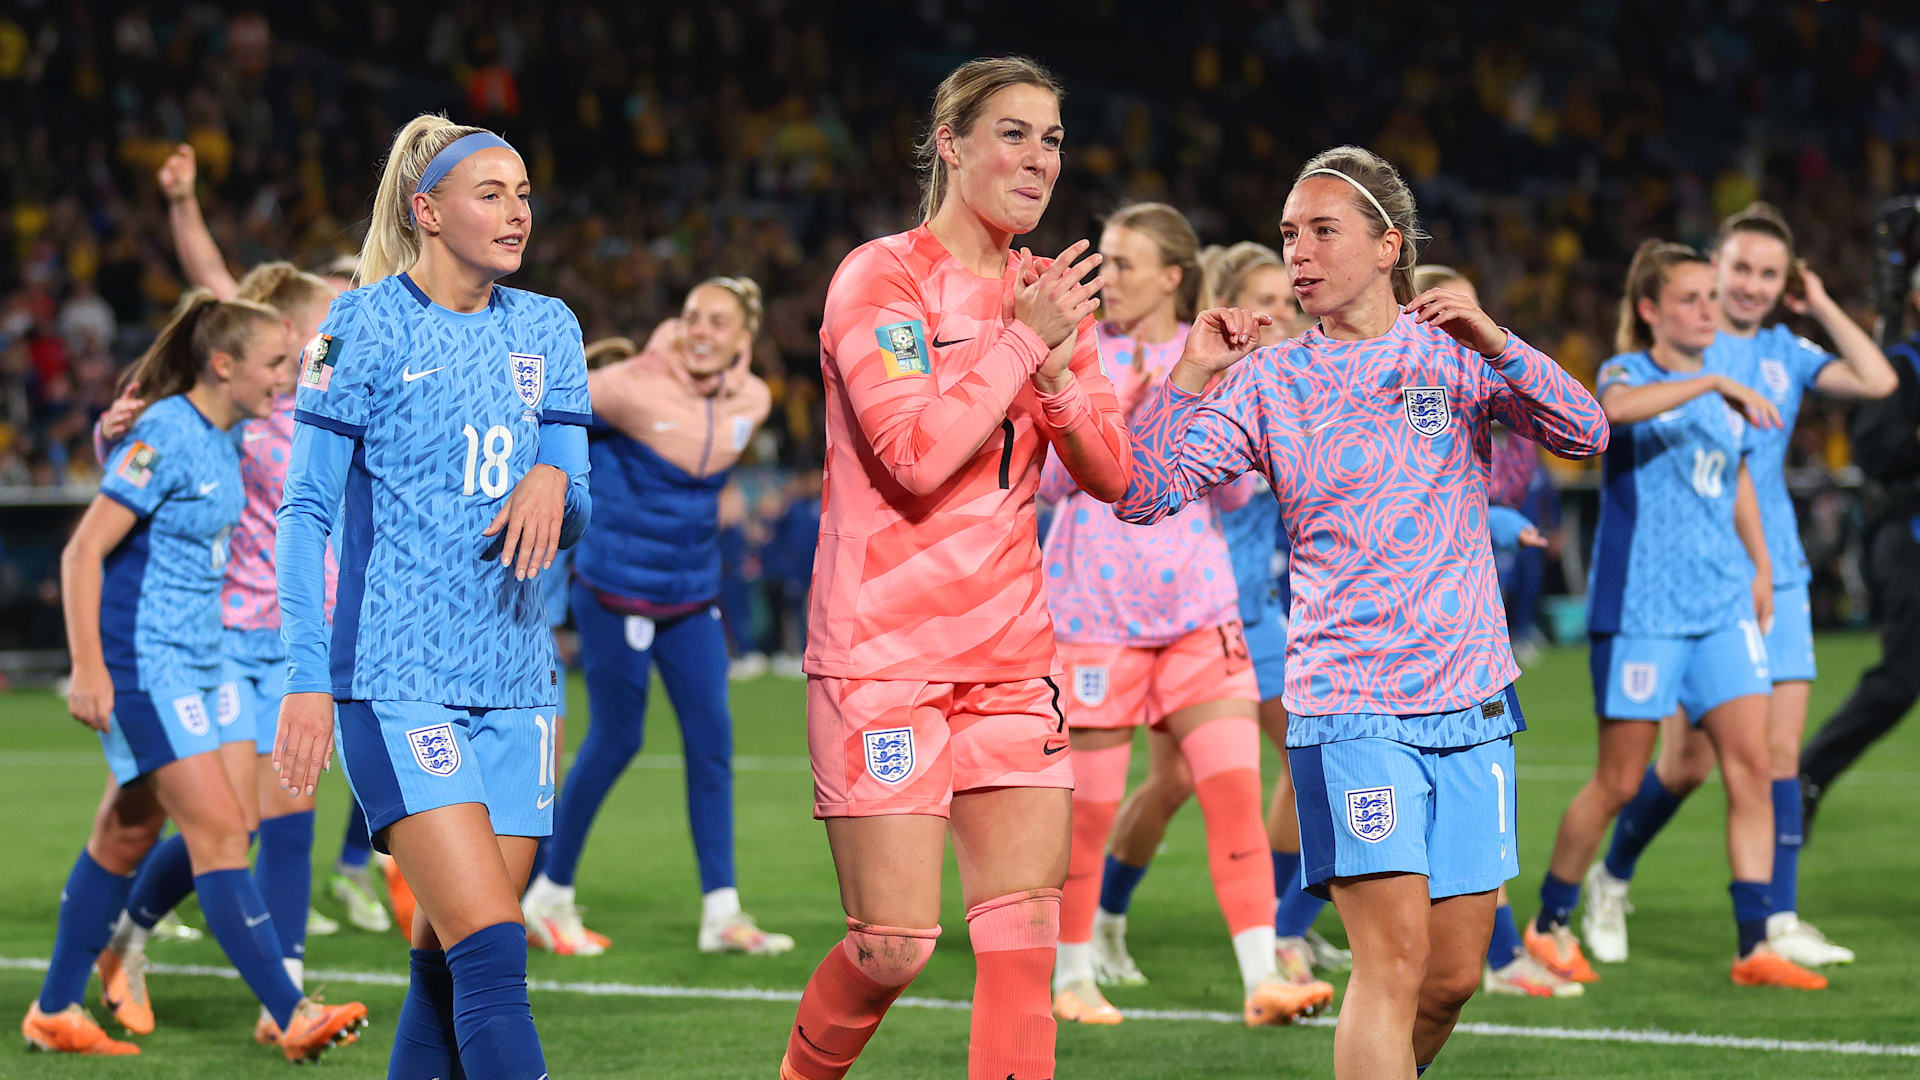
(747, 666)
(553, 924)
(1112, 964)
(738, 933)
(172, 928)
(1803, 943)
(364, 909)
(1603, 924)
(1326, 955)
(1527, 977)
(788, 666)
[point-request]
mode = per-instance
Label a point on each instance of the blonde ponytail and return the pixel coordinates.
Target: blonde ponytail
(392, 246)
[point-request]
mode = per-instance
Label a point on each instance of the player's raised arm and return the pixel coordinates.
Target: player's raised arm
(921, 431)
(1184, 443)
(199, 255)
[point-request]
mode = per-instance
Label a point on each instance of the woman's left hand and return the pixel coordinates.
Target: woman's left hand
(1459, 316)
(529, 521)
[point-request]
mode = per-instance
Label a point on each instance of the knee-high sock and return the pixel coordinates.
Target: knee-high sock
(1099, 783)
(89, 905)
(356, 847)
(1505, 944)
(612, 740)
(692, 656)
(424, 1041)
(238, 918)
(1297, 909)
(1640, 821)
(1557, 901)
(1224, 757)
(283, 872)
(164, 879)
(1787, 838)
(1117, 882)
(1750, 910)
(1013, 1030)
(848, 994)
(492, 1018)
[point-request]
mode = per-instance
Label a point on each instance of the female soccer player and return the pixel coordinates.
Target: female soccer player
(1372, 430)
(449, 412)
(142, 579)
(951, 364)
(254, 666)
(1149, 630)
(1674, 610)
(674, 422)
(1754, 265)
(1246, 275)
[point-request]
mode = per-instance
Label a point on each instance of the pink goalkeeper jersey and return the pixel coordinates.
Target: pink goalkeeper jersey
(248, 598)
(1112, 583)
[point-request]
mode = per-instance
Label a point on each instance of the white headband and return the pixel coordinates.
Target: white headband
(1357, 186)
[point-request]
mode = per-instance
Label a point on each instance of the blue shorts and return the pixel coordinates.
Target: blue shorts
(1647, 678)
(256, 687)
(1376, 806)
(408, 757)
(149, 729)
(1267, 646)
(1790, 645)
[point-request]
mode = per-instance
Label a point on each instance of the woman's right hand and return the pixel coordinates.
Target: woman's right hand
(1053, 301)
(176, 174)
(90, 696)
(1752, 403)
(119, 415)
(304, 744)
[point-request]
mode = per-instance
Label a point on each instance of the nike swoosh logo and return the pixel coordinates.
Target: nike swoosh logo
(251, 923)
(253, 435)
(664, 425)
(1238, 855)
(207, 489)
(412, 375)
(543, 802)
(938, 344)
(1052, 750)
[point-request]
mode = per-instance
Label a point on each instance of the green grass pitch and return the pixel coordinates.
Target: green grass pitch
(660, 1010)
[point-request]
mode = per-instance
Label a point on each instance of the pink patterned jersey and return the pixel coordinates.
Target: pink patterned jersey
(248, 598)
(1379, 453)
(1112, 583)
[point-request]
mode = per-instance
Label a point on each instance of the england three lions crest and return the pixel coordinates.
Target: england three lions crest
(1428, 410)
(889, 754)
(529, 376)
(1370, 813)
(435, 749)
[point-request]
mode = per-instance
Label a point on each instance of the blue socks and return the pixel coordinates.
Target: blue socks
(1557, 901)
(283, 872)
(357, 846)
(1298, 907)
(1506, 938)
(1117, 883)
(89, 906)
(164, 879)
(1640, 821)
(1750, 910)
(239, 921)
(491, 1015)
(1787, 837)
(424, 1043)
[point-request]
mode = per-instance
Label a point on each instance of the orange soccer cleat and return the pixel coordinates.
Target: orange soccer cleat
(1559, 952)
(317, 1028)
(70, 1031)
(1277, 1002)
(399, 895)
(123, 989)
(1083, 1003)
(1764, 967)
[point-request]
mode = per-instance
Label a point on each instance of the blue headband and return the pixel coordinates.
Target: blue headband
(456, 152)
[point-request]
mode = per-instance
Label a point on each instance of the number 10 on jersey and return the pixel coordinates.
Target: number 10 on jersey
(487, 456)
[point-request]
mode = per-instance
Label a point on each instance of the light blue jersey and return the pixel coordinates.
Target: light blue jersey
(160, 589)
(1782, 365)
(425, 419)
(1252, 533)
(1666, 558)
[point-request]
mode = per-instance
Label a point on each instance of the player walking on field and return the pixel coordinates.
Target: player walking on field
(449, 413)
(1677, 602)
(951, 365)
(1149, 629)
(1372, 429)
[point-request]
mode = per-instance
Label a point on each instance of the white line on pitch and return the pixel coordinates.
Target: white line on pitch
(1653, 1037)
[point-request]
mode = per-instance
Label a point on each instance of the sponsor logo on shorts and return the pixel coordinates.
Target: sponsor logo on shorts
(1370, 813)
(889, 754)
(192, 713)
(1493, 709)
(1638, 680)
(435, 749)
(1090, 684)
(543, 801)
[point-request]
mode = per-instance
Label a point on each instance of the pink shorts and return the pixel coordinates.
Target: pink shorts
(894, 746)
(1121, 686)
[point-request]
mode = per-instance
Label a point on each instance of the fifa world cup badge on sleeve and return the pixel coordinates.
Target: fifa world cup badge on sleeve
(1370, 813)
(315, 370)
(904, 346)
(137, 467)
(529, 376)
(890, 754)
(1638, 680)
(435, 749)
(1090, 684)
(1428, 411)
